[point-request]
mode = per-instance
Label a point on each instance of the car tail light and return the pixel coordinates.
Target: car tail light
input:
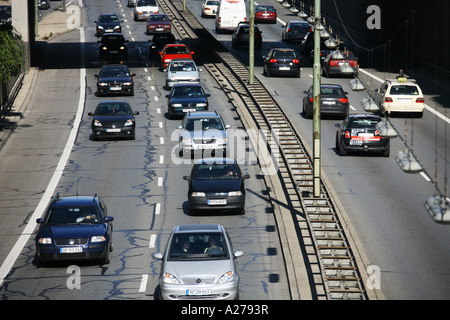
(420, 100)
(295, 61)
(347, 134)
(289, 30)
(388, 99)
(311, 99)
(343, 100)
(334, 63)
(272, 60)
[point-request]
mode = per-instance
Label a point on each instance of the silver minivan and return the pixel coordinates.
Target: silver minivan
(199, 262)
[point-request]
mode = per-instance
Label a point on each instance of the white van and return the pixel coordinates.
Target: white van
(229, 14)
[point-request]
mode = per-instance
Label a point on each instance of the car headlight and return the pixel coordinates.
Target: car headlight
(128, 83)
(234, 193)
(170, 279)
(167, 60)
(45, 240)
(201, 104)
(100, 28)
(226, 277)
(98, 239)
(128, 123)
(97, 123)
(102, 84)
(122, 48)
(176, 105)
(104, 48)
(198, 194)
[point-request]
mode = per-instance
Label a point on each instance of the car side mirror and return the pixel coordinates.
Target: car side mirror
(192, 52)
(246, 176)
(207, 95)
(90, 114)
(133, 74)
(376, 90)
(180, 127)
(39, 220)
(227, 126)
(136, 113)
(96, 75)
(238, 253)
(109, 219)
(186, 178)
(158, 256)
(167, 96)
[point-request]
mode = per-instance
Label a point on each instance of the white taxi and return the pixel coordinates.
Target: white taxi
(400, 95)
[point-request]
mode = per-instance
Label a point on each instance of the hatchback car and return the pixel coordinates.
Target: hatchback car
(113, 45)
(265, 13)
(333, 101)
(184, 98)
(74, 228)
(282, 61)
(341, 63)
(294, 30)
(181, 71)
(158, 23)
(199, 262)
(241, 36)
(107, 23)
(174, 51)
(216, 184)
(209, 8)
(401, 95)
(113, 119)
(144, 8)
(115, 79)
(358, 132)
(203, 131)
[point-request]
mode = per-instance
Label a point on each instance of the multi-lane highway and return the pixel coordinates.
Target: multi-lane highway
(141, 180)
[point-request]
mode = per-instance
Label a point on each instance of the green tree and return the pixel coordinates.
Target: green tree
(12, 53)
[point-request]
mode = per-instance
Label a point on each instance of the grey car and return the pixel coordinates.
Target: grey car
(199, 262)
(181, 71)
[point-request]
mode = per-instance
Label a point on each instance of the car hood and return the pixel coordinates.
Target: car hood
(112, 79)
(185, 100)
(73, 231)
(216, 186)
(108, 24)
(116, 119)
(201, 269)
(177, 55)
(212, 133)
(182, 74)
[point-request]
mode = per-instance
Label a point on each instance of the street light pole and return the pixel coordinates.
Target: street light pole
(251, 49)
(316, 102)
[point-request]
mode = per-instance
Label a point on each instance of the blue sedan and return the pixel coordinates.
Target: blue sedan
(74, 228)
(184, 98)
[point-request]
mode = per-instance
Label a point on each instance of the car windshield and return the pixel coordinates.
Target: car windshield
(404, 90)
(70, 215)
(203, 124)
(284, 55)
(157, 18)
(264, 8)
(145, 3)
(298, 26)
(114, 72)
(176, 50)
(179, 92)
(113, 39)
(182, 66)
(363, 122)
(113, 109)
(331, 91)
(212, 3)
(215, 171)
(198, 246)
(108, 18)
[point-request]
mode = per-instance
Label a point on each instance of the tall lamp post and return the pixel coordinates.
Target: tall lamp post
(251, 49)
(316, 102)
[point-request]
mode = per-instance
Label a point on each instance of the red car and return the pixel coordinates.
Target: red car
(174, 51)
(265, 13)
(158, 23)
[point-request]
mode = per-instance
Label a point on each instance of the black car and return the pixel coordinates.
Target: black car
(295, 30)
(184, 98)
(333, 101)
(282, 61)
(43, 4)
(241, 36)
(307, 45)
(107, 23)
(216, 184)
(115, 79)
(74, 228)
(158, 42)
(358, 132)
(113, 119)
(5, 14)
(340, 63)
(113, 45)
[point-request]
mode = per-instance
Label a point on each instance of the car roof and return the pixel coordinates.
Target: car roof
(108, 14)
(75, 200)
(213, 160)
(363, 115)
(283, 49)
(114, 66)
(189, 228)
(202, 114)
(113, 101)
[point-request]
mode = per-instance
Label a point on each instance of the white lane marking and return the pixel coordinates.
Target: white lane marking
(161, 140)
(161, 159)
(143, 285)
(158, 208)
(152, 242)
(28, 231)
(160, 181)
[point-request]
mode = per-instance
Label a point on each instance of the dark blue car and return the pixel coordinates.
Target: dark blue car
(216, 184)
(184, 98)
(115, 79)
(74, 228)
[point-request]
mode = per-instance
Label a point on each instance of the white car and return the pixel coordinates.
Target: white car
(144, 8)
(181, 71)
(209, 8)
(401, 95)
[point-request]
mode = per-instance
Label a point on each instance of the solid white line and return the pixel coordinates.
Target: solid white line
(28, 231)
(152, 241)
(143, 283)
(160, 182)
(158, 208)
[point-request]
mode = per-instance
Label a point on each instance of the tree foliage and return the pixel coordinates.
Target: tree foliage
(12, 53)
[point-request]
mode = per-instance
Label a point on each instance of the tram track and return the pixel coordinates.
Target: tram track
(331, 264)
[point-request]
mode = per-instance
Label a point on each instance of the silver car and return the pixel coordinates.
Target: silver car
(199, 263)
(203, 131)
(181, 71)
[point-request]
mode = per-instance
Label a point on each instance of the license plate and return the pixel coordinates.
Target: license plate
(71, 250)
(112, 130)
(329, 102)
(159, 29)
(203, 146)
(115, 88)
(197, 292)
(213, 202)
(114, 51)
(403, 100)
(365, 135)
(356, 142)
(284, 68)
(189, 110)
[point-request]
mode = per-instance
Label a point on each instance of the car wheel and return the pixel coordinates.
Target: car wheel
(298, 74)
(341, 150)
